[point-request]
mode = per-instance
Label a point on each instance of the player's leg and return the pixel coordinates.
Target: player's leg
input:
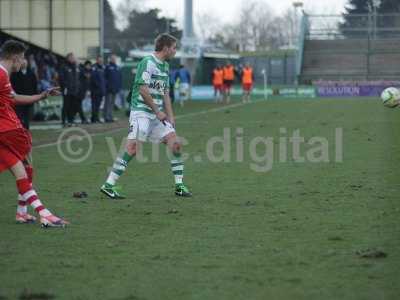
(177, 164)
(119, 167)
(22, 215)
(30, 197)
(138, 131)
(14, 147)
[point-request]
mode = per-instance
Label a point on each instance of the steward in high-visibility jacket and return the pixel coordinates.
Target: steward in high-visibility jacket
(247, 78)
(229, 76)
(218, 83)
(218, 78)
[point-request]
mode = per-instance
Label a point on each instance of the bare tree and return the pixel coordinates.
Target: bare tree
(124, 10)
(208, 25)
(257, 28)
(253, 29)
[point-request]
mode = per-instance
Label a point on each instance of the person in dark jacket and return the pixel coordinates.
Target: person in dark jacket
(85, 80)
(172, 75)
(24, 82)
(113, 77)
(184, 83)
(70, 86)
(97, 87)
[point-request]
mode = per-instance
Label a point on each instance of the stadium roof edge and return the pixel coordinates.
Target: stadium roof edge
(142, 53)
(221, 55)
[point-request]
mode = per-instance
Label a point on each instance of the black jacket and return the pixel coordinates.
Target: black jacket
(113, 76)
(85, 79)
(98, 80)
(69, 79)
(24, 83)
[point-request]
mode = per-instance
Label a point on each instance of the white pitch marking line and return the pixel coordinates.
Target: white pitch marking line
(217, 109)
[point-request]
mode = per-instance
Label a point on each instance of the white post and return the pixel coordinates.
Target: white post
(264, 72)
(297, 5)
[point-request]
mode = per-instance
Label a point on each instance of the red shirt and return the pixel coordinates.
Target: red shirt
(8, 118)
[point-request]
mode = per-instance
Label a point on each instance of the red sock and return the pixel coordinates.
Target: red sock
(22, 205)
(29, 172)
(30, 196)
(23, 186)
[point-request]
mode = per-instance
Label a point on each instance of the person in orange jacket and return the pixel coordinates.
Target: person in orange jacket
(218, 83)
(247, 82)
(229, 77)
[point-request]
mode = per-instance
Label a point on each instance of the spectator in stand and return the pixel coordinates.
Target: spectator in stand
(45, 77)
(113, 76)
(70, 86)
(97, 87)
(33, 66)
(24, 82)
(184, 83)
(85, 79)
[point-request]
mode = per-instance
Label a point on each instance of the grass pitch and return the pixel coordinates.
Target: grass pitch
(302, 230)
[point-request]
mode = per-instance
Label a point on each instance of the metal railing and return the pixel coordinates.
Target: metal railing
(355, 46)
(372, 26)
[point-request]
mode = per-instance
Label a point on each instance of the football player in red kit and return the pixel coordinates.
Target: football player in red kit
(15, 141)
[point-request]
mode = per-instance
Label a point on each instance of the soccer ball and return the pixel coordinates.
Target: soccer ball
(391, 97)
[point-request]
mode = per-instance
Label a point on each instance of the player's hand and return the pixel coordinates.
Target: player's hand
(55, 91)
(161, 116)
(171, 120)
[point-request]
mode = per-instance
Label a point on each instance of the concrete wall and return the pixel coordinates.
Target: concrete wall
(59, 25)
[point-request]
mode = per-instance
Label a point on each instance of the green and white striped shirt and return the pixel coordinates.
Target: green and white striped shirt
(155, 74)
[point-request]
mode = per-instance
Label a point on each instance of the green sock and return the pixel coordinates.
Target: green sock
(119, 168)
(177, 168)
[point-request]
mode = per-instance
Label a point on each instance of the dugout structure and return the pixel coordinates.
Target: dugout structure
(356, 47)
(60, 26)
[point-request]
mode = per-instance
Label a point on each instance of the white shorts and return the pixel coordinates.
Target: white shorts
(146, 127)
(184, 91)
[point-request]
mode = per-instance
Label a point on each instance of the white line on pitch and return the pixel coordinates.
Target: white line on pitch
(217, 109)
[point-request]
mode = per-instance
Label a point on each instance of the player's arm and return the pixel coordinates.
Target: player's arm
(148, 100)
(168, 108)
(25, 100)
